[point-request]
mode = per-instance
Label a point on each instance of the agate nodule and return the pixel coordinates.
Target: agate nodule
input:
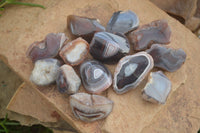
(108, 47)
(122, 22)
(157, 89)
(47, 48)
(90, 108)
(45, 71)
(167, 58)
(83, 26)
(155, 32)
(67, 80)
(95, 76)
(74, 52)
(130, 71)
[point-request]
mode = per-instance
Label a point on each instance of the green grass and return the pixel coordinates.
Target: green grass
(8, 126)
(3, 3)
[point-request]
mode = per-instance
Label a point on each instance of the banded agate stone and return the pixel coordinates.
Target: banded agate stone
(130, 71)
(108, 47)
(123, 22)
(67, 80)
(156, 32)
(84, 27)
(95, 76)
(90, 108)
(157, 89)
(47, 48)
(167, 58)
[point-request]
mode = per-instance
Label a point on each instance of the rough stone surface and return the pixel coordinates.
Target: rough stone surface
(140, 115)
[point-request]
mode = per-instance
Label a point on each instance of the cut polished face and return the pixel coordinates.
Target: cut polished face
(122, 22)
(47, 48)
(155, 32)
(157, 89)
(109, 47)
(73, 53)
(131, 70)
(95, 76)
(90, 108)
(167, 58)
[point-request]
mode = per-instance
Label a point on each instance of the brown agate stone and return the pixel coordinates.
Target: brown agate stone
(83, 26)
(47, 48)
(74, 52)
(155, 32)
(167, 58)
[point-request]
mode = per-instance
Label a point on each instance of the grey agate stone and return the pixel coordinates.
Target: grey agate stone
(108, 47)
(67, 80)
(122, 22)
(95, 76)
(167, 58)
(130, 71)
(157, 89)
(45, 71)
(90, 108)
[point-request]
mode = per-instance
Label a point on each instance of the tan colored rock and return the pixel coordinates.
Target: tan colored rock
(130, 113)
(26, 101)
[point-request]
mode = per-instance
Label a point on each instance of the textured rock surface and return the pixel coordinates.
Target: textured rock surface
(140, 115)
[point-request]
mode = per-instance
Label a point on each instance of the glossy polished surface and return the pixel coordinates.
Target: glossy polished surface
(155, 32)
(95, 76)
(83, 26)
(167, 58)
(157, 89)
(123, 22)
(67, 80)
(47, 48)
(45, 71)
(108, 47)
(90, 108)
(130, 71)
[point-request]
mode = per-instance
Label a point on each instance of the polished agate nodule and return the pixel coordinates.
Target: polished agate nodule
(67, 80)
(108, 47)
(122, 22)
(47, 48)
(155, 32)
(74, 53)
(157, 89)
(45, 71)
(167, 58)
(95, 76)
(84, 27)
(90, 108)
(130, 71)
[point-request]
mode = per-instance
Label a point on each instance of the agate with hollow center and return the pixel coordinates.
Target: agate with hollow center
(130, 71)
(123, 22)
(90, 108)
(157, 89)
(95, 76)
(167, 58)
(156, 32)
(108, 47)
